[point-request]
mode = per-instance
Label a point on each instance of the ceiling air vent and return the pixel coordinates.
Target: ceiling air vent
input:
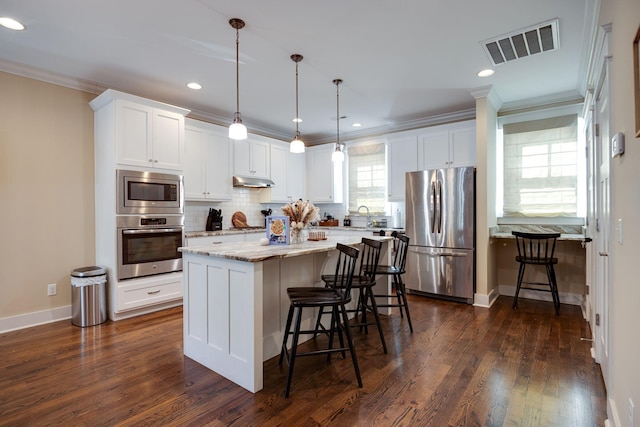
(521, 43)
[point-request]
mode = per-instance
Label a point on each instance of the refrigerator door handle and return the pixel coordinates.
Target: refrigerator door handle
(444, 254)
(433, 207)
(439, 207)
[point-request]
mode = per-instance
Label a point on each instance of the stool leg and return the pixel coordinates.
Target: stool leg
(352, 349)
(400, 288)
(374, 308)
(551, 274)
(287, 332)
(520, 277)
(294, 347)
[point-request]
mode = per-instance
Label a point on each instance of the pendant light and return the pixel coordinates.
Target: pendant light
(338, 155)
(296, 146)
(237, 130)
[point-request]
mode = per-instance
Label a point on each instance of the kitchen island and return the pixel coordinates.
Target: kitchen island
(235, 302)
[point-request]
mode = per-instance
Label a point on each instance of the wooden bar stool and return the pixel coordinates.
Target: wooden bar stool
(537, 249)
(363, 281)
(335, 297)
(396, 270)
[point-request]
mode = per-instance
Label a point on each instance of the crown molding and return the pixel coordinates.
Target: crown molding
(49, 77)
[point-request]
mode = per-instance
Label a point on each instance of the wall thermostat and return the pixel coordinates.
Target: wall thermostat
(617, 144)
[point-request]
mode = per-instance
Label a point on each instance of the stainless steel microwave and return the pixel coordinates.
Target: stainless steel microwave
(140, 193)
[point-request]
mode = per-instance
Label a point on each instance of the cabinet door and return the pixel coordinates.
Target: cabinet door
(218, 166)
(320, 177)
(279, 173)
(433, 149)
(402, 158)
(242, 158)
(133, 140)
(260, 159)
(462, 150)
(168, 140)
(295, 176)
(195, 155)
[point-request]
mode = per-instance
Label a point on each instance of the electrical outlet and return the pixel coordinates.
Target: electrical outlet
(51, 289)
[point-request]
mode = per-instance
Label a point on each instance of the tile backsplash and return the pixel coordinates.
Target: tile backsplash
(248, 201)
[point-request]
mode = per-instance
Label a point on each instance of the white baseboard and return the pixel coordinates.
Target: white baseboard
(485, 300)
(565, 297)
(35, 318)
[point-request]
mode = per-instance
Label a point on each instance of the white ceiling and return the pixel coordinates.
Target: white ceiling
(402, 61)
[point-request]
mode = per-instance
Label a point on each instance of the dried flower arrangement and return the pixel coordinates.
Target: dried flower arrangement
(301, 213)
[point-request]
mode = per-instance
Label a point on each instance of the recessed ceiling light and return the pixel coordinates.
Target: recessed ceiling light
(297, 120)
(485, 73)
(11, 23)
(356, 125)
(194, 86)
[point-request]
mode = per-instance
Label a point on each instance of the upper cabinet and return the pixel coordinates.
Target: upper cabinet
(251, 157)
(324, 177)
(146, 134)
(287, 174)
(207, 166)
(403, 151)
(447, 146)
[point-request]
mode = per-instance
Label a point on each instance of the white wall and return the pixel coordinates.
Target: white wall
(624, 311)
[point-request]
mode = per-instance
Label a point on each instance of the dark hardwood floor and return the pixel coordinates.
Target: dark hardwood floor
(463, 366)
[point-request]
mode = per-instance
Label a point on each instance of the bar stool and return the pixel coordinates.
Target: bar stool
(396, 270)
(537, 249)
(363, 281)
(335, 296)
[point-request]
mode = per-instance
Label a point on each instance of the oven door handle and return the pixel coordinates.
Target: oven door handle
(152, 230)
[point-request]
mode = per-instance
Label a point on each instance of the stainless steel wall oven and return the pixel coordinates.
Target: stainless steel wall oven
(149, 245)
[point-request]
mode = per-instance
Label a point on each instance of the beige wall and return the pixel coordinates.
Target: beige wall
(46, 189)
(624, 309)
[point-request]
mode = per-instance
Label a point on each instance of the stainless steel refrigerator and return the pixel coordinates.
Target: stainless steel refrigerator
(440, 223)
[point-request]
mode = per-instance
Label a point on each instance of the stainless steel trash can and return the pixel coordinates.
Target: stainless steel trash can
(88, 296)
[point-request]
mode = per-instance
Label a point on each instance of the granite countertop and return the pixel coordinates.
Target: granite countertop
(567, 232)
(255, 252)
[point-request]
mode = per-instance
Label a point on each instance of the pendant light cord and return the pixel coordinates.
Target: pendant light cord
(297, 116)
(237, 71)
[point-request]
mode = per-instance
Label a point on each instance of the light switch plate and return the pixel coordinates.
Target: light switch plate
(617, 144)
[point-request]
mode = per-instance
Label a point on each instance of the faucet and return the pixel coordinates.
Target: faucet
(368, 216)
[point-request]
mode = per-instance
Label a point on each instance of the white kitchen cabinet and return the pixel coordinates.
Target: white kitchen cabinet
(251, 157)
(403, 158)
(324, 177)
(447, 146)
(287, 173)
(144, 133)
(147, 292)
(207, 170)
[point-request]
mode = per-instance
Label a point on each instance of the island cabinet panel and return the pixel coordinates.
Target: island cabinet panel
(223, 318)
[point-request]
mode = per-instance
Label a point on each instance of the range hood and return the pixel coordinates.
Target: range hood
(243, 181)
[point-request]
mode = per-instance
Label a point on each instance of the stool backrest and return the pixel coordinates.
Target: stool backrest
(370, 257)
(402, 246)
(535, 248)
(345, 268)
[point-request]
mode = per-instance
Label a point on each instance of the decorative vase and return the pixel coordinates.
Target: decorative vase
(297, 235)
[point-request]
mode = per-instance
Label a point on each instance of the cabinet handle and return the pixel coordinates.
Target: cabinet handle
(153, 292)
(155, 161)
(151, 160)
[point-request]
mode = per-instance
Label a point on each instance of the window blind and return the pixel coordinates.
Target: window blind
(367, 178)
(540, 167)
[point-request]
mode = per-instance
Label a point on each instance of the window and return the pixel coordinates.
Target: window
(367, 178)
(541, 168)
